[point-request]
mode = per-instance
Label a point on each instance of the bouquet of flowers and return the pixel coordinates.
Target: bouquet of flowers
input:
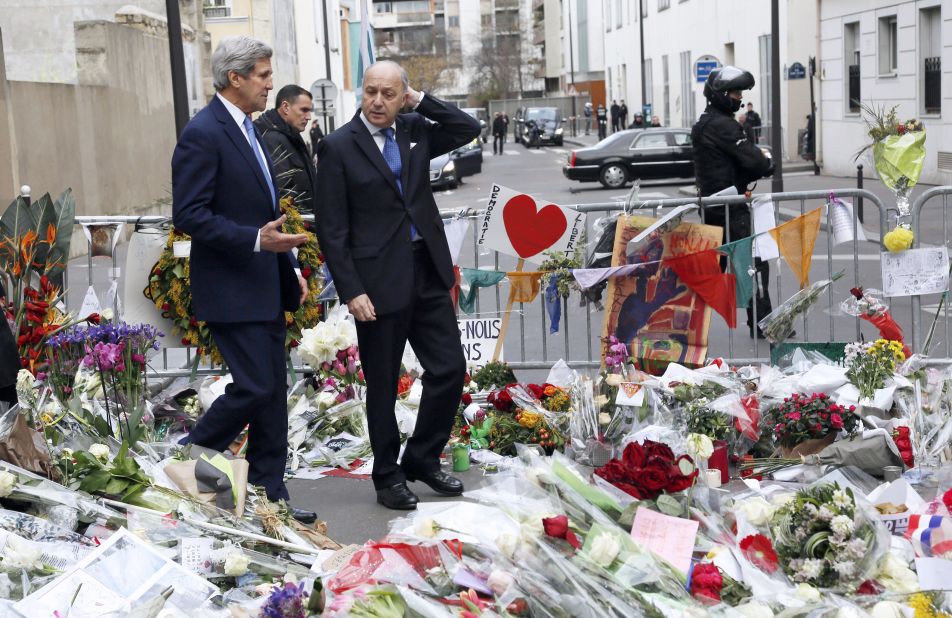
(778, 324)
(808, 418)
(899, 151)
(700, 418)
(551, 397)
(901, 436)
(866, 305)
(494, 374)
(824, 539)
(647, 470)
(870, 365)
(710, 586)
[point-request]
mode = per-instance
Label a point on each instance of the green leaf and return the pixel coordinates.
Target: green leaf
(179, 271)
(669, 505)
(686, 467)
(95, 481)
(116, 487)
(62, 218)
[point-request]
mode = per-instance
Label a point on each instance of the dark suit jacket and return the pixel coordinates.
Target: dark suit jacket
(221, 199)
(363, 224)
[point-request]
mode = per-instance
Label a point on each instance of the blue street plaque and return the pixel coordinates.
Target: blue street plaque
(703, 67)
(796, 71)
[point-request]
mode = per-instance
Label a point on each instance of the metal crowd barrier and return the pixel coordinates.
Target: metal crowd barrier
(929, 234)
(581, 329)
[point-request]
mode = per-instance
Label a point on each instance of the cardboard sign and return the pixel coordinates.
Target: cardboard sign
(672, 538)
(479, 339)
(915, 271)
(519, 225)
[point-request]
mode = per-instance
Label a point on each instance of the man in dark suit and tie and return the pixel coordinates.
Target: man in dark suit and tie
(243, 273)
(383, 238)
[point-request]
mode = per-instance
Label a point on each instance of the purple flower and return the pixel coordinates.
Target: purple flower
(351, 365)
(286, 602)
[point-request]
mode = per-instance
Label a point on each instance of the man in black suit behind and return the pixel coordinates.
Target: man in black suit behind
(383, 238)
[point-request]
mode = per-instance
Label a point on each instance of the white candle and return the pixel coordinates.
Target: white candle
(713, 478)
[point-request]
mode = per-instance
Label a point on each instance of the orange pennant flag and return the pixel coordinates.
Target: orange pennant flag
(796, 239)
(524, 286)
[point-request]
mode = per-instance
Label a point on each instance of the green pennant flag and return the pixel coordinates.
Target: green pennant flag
(740, 253)
(472, 280)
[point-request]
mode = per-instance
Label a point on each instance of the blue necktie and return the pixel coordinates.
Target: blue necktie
(391, 154)
(250, 130)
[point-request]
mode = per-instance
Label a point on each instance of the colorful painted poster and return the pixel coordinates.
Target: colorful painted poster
(651, 310)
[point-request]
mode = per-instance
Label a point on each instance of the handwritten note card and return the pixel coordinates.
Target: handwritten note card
(672, 538)
(915, 271)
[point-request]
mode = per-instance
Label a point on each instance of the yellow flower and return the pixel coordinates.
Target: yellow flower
(899, 239)
(529, 419)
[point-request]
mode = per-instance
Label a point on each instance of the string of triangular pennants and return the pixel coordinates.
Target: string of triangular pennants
(700, 271)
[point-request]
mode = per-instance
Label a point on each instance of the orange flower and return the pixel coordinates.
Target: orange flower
(26, 245)
(550, 390)
(50, 234)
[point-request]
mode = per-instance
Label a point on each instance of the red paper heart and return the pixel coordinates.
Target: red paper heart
(532, 231)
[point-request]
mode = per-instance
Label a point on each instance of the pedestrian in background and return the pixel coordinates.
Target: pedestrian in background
(601, 116)
(655, 121)
(638, 122)
(748, 128)
(281, 130)
(316, 136)
(383, 238)
(623, 110)
(505, 121)
(724, 157)
(588, 117)
(499, 133)
(616, 115)
(754, 119)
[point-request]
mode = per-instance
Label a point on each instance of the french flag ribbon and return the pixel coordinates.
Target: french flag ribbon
(931, 535)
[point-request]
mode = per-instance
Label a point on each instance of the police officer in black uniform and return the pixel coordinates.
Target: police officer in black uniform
(724, 156)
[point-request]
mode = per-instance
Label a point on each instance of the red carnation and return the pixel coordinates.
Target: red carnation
(706, 583)
(306, 272)
(857, 292)
(466, 399)
(558, 527)
(760, 552)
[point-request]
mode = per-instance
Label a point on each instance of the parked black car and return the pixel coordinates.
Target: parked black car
(443, 173)
(447, 171)
(635, 153)
(548, 121)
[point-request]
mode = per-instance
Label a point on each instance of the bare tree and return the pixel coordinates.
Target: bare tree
(428, 72)
(496, 68)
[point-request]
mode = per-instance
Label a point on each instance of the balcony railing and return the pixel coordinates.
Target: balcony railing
(933, 85)
(421, 17)
(507, 5)
(217, 11)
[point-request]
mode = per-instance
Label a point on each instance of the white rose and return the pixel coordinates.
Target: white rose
(604, 418)
(756, 510)
(604, 549)
(425, 528)
(613, 379)
(236, 564)
(507, 543)
(325, 399)
(99, 451)
(499, 581)
(8, 483)
(700, 445)
(345, 335)
(806, 592)
(601, 400)
(896, 575)
(106, 314)
(26, 395)
(21, 554)
(754, 609)
(887, 609)
(847, 612)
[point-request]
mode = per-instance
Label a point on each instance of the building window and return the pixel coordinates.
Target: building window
(618, 13)
(851, 55)
(888, 46)
(687, 92)
(930, 51)
(649, 98)
(666, 91)
(383, 7)
(663, 4)
(454, 21)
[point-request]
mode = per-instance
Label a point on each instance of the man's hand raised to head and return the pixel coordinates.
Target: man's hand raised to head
(413, 98)
(273, 239)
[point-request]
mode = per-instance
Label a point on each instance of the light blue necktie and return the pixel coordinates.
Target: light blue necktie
(391, 154)
(250, 130)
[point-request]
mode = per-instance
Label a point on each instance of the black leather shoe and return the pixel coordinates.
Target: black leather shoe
(397, 497)
(303, 516)
(439, 481)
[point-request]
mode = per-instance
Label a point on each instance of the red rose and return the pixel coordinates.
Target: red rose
(93, 318)
(166, 306)
(306, 272)
(870, 587)
(295, 343)
(558, 528)
(903, 443)
(658, 449)
(655, 477)
(466, 399)
(947, 499)
(537, 390)
(634, 455)
(678, 481)
(631, 490)
(902, 432)
(503, 401)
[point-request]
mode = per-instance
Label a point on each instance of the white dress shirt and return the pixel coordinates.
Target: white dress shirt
(239, 117)
(377, 133)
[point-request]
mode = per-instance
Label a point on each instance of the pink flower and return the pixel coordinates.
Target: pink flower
(360, 375)
(138, 358)
(351, 365)
(793, 416)
(339, 367)
(836, 421)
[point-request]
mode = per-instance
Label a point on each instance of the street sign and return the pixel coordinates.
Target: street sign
(703, 67)
(796, 71)
(324, 92)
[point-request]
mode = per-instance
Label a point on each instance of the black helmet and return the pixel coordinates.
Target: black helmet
(723, 80)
